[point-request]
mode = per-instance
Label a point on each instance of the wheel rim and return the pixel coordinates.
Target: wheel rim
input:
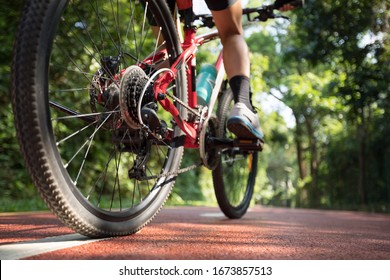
(235, 175)
(238, 178)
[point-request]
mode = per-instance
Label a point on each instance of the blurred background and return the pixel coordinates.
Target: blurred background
(321, 83)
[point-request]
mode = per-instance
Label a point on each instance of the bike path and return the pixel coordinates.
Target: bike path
(204, 233)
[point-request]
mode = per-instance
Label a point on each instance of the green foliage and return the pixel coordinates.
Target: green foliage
(332, 70)
(15, 183)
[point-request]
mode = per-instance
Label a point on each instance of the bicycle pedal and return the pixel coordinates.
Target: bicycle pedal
(250, 144)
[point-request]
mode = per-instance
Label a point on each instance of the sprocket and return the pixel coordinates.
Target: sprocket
(132, 85)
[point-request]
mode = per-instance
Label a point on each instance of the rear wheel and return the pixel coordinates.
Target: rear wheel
(81, 68)
(235, 175)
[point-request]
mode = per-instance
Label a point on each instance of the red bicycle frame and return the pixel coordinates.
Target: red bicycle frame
(188, 57)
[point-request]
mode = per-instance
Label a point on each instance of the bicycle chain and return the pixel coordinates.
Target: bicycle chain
(182, 170)
(183, 104)
(172, 173)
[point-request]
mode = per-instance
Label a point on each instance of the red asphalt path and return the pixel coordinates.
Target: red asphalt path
(204, 233)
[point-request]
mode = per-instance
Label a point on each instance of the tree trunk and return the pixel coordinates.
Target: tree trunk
(314, 190)
(361, 131)
(298, 144)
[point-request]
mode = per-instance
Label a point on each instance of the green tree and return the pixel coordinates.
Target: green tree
(14, 180)
(331, 68)
(352, 38)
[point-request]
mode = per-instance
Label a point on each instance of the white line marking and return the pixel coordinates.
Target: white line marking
(218, 214)
(31, 248)
(212, 215)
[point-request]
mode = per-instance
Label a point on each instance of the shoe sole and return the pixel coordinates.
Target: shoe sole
(242, 129)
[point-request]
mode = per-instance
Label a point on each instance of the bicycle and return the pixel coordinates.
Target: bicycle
(103, 125)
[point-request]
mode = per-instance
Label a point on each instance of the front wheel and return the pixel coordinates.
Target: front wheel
(235, 175)
(80, 67)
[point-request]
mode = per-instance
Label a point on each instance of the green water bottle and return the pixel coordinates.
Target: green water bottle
(205, 82)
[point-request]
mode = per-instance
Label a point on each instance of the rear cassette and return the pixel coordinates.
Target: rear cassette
(132, 85)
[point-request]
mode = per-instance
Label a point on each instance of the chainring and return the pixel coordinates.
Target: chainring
(209, 155)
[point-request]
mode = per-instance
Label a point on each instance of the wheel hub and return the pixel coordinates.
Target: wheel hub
(104, 90)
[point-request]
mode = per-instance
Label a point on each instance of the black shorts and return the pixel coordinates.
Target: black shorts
(213, 5)
(218, 5)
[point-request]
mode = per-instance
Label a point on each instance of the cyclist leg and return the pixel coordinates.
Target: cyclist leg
(228, 21)
(227, 14)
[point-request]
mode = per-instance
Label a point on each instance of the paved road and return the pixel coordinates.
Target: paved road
(204, 233)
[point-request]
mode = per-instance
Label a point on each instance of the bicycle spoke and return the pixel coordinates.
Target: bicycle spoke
(74, 60)
(86, 115)
(68, 90)
(156, 47)
(84, 159)
(101, 33)
(102, 176)
(115, 185)
(91, 40)
(116, 21)
(75, 133)
(87, 141)
(143, 30)
(103, 25)
(78, 71)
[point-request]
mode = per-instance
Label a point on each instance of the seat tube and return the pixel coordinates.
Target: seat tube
(189, 40)
(218, 81)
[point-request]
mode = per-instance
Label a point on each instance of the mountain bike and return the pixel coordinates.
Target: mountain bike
(104, 99)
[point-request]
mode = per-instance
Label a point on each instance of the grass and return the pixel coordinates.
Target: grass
(35, 203)
(22, 205)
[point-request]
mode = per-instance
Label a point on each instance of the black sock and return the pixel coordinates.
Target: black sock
(240, 86)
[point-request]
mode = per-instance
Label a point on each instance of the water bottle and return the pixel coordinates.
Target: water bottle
(205, 82)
